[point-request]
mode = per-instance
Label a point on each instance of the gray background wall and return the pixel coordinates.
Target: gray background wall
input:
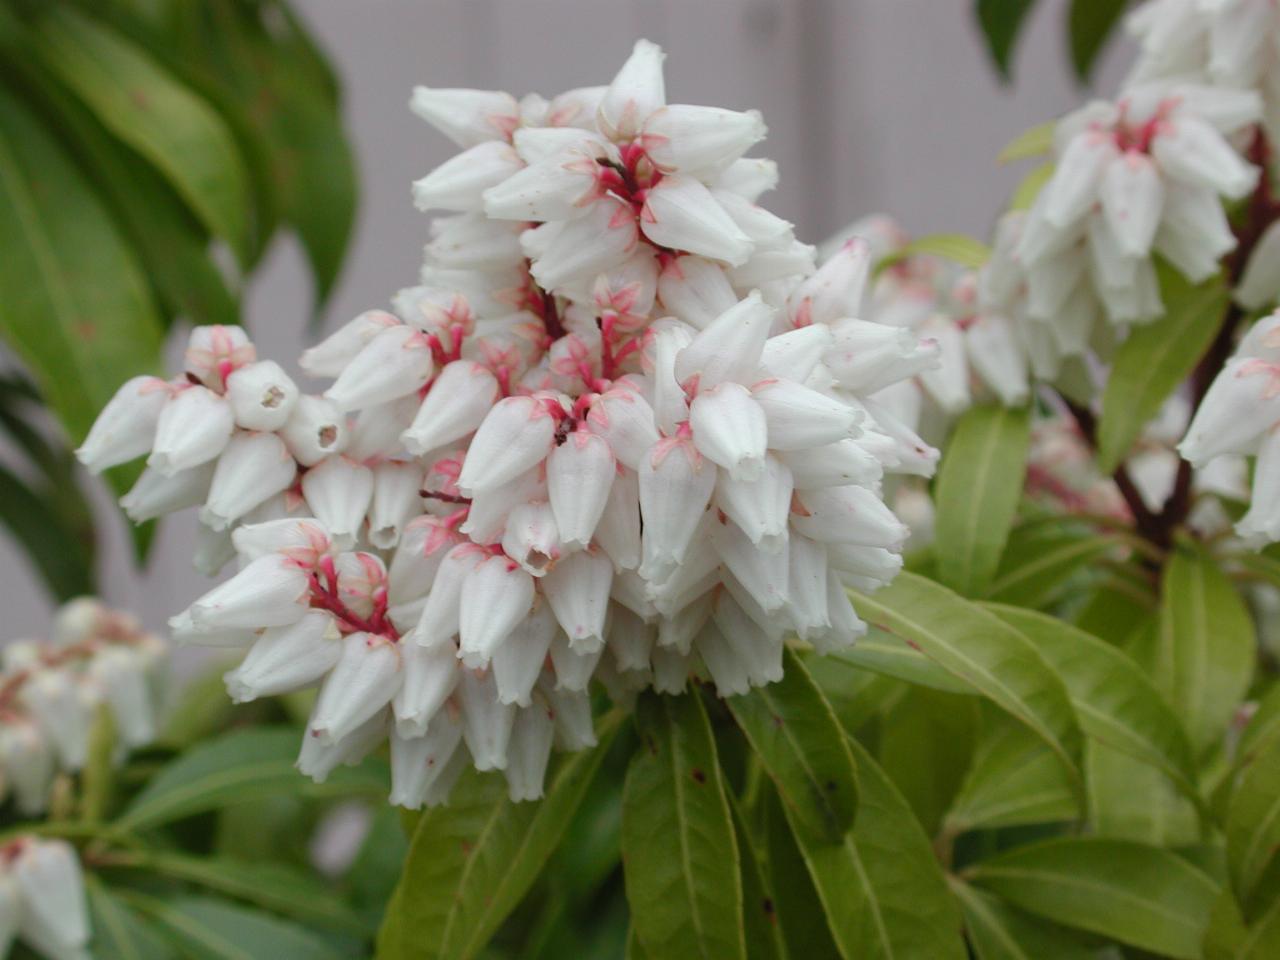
(872, 105)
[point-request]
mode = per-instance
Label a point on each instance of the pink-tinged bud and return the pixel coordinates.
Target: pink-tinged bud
(676, 484)
(455, 406)
(423, 544)
(126, 427)
(459, 183)
(629, 289)
(847, 515)
(758, 650)
(800, 417)
(528, 753)
(261, 395)
(907, 452)
(55, 916)
(302, 540)
(28, 763)
(867, 357)
(155, 494)
(681, 214)
(491, 509)
(763, 573)
(636, 91)
(517, 663)
(421, 761)
(795, 354)
(557, 188)
(576, 251)
(1190, 150)
(832, 465)
(441, 615)
(339, 492)
(835, 291)
(618, 532)
(630, 640)
(330, 356)
(578, 591)
(496, 595)
(431, 675)
(316, 430)
(531, 538)
(394, 364)
(361, 578)
(760, 505)
(516, 436)
(362, 682)
(271, 591)
(682, 137)
(213, 352)
(121, 675)
(318, 758)
(580, 474)
(695, 290)
(1242, 403)
(539, 144)
(467, 117)
(1132, 195)
(749, 177)
(573, 667)
(285, 659)
(252, 468)
(395, 500)
(730, 347)
(192, 429)
(54, 698)
(486, 722)
(626, 421)
(729, 429)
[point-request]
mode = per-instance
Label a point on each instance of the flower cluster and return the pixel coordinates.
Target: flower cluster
(42, 899)
(623, 429)
(50, 693)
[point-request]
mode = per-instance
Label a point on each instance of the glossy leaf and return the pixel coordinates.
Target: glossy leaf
(883, 653)
(1154, 359)
(1132, 800)
(1001, 22)
(925, 746)
(976, 646)
(238, 767)
(998, 931)
(472, 860)
(1090, 24)
(800, 912)
(679, 855)
(795, 735)
(211, 929)
(882, 888)
(1140, 895)
(976, 495)
(855, 694)
(759, 904)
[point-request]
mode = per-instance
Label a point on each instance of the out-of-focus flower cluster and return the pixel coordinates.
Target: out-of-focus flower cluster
(42, 899)
(51, 691)
(623, 429)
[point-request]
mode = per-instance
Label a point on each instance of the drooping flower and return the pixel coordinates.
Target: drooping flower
(42, 898)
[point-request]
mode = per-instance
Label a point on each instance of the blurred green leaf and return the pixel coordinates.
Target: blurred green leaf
(760, 911)
(118, 932)
(1033, 142)
(205, 928)
(1001, 22)
(1140, 895)
(977, 494)
(1132, 800)
(1090, 24)
(60, 557)
(956, 247)
(1029, 187)
(998, 931)
(1253, 821)
(679, 855)
(1040, 559)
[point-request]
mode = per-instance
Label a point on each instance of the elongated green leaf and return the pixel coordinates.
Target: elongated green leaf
(1253, 821)
(473, 859)
(1114, 700)
(794, 732)
(977, 493)
(800, 913)
(1140, 895)
(1154, 359)
(925, 746)
(59, 557)
(886, 654)
(978, 647)
(855, 694)
(1040, 560)
(1013, 780)
(1263, 729)
(73, 303)
(1001, 22)
(145, 106)
(1033, 142)
(1132, 800)
(1029, 187)
(118, 932)
(998, 931)
(679, 855)
(956, 247)
(211, 929)
(238, 767)
(1229, 938)
(1205, 645)
(884, 893)
(1090, 24)
(759, 905)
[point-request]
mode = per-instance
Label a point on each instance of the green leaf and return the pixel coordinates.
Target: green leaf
(956, 247)
(760, 911)
(800, 914)
(211, 929)
(886, 654)
(1113, 698)
(118, 932)
(273, 886)
(1140, 895)
(1029, 187)
(679, 855)
(1014, 780)
(977, 494)
(1263, 729)
(798, 740)
(1041, 559)
(31, 521)
(855, 694)
(73, 303)
(97, 778)
(146, 107)
(998, 931)
(926, 744)
(1132, 800)
(1033, 142)
(882, 888)
(472, 860)
(1090, 24)
(1154, 359)
(1253, 821)
(238, 767)
(1205, 646)
(978, 647)
(1001, 22)
(1228, 937)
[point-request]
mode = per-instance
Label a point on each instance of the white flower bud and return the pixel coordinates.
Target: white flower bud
(1239, 406)
(730, 347)
(580, 474)
(491, 509)
(395, 363)
(684, 137)
(459, 183)
(214, 352)
(763, 573)
(630, 640)
(319, 757)
(517, 434)
(618, 532)
(867, 357)
(261, 395)
(395, 500)
(578, 591)
(120, 674)
(55, 916)
(758, 650)
(272, 591)
(486, 722)
(330, 356)
(947, 383)
(496, 595)
(573, 667)
(285, 659)
(54, 698)
(848, 515)
(576, 251)
(1191, 150)
(729, 429)
(467, 117)
(1260, 284)
(316, 429)
(625, 420)
(676, 484)
(339, 492)
(252, 468)
(558, 188)
(423, 544)
(419, 762)
(835, 290)
(362, 682)
(528, 753)
(807, 584)
(517, 663)
(155, 494)
(636, 91)
(695, 290)
(441, 615)
(795, 354)
(457, 403)
(431, 675)
(126, 427)
(27, 761)
(531, 538)
(832, 465)
(193, 428)
(759, 505)
(681, 214)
